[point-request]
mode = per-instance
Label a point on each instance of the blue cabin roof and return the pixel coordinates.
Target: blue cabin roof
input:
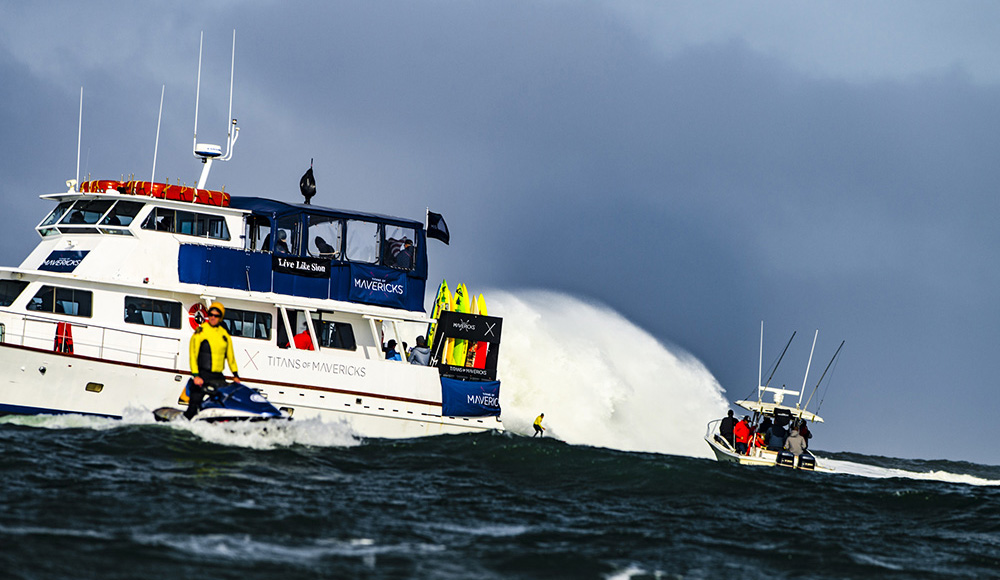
(264, 206)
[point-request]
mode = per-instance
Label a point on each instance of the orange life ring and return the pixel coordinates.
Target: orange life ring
(100, 186)
(197, 314)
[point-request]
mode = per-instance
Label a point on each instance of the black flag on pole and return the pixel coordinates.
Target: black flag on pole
(436, 228)
(307, 185)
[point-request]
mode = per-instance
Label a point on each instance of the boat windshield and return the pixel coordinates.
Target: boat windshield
(56, 214)
(86, 212)
(122, 213)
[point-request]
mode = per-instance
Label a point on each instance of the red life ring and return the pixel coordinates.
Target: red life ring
(197, 314)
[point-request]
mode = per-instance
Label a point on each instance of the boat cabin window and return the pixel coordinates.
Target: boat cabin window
(323, 237)
(187, 223)
(333, 333)
(56, 214)
(288, 236)
(10, 290)
(297, 322)
(62, 301)
(122, 213)
(150, 312)
(247, 323)
(399, 247)
(257, 233)
(86, 212)
(362, 241)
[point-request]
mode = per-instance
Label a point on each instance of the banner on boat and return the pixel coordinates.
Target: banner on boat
(470, 398)
(63, 260)
(301, 266)
(375, 285)
(484, 331)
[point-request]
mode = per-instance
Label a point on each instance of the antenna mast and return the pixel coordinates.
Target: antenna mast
(156, 147)
(208, 152)
(760, 361)
(79, 137)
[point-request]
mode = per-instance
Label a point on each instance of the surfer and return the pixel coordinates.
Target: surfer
(539, 430)
(211, 346)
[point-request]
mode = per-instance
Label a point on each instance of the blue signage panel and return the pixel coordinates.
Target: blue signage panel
(470, 398)
(63, 260)
(378, 285)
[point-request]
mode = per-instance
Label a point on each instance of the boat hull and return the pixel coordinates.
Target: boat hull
(38, 381)
(762, 457)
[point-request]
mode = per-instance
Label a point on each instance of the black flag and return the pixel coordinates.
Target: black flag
(307, 185)
(436, 228)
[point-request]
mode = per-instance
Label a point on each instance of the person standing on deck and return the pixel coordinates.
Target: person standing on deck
(211, 347)
(726, 428)
(741, 432)
(420, 355)
(805, 433)
(539, 430)
(795, 443)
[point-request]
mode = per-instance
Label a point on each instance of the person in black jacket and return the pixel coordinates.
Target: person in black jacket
(726, 428)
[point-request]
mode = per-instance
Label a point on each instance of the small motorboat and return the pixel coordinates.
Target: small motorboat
(766, 414)
(232, 402)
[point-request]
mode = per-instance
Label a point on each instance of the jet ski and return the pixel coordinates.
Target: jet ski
(232, 402)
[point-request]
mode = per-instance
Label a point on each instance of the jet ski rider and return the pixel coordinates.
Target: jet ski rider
(211, 347)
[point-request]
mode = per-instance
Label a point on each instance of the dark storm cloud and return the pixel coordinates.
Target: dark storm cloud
(697, 191)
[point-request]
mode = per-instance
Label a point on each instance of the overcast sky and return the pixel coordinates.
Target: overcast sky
(696, 166)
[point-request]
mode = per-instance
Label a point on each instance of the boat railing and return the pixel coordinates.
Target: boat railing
(97, 341)
(713, 433)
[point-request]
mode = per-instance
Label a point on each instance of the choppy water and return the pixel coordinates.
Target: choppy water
(94, 498)
(630, 495)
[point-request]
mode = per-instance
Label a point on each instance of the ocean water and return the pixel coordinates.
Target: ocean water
(84, 497)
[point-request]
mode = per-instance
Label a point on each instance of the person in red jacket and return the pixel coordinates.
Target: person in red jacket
(741, 432)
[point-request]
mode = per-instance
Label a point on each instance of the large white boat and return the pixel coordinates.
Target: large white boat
(97, 319)
(766, 414)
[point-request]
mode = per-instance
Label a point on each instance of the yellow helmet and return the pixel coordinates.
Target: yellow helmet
(219, 306)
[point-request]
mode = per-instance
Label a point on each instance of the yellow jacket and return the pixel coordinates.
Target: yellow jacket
(211, 343)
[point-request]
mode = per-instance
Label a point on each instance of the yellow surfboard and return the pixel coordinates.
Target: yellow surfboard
(441, 302)
(461, 304)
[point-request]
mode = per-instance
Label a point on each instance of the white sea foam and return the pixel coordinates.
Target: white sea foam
(313, 432)
(861, 469)
(600, 379)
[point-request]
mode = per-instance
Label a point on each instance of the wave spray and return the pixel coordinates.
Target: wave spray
(600, 379)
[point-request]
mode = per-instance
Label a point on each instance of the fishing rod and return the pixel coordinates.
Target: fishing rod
(821, 377)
